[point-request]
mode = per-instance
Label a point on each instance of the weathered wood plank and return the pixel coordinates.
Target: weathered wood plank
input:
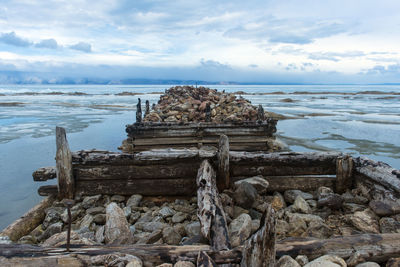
(379, 172)
(64, 165)
(344, 174)
(28, 221)
(259, 249)
(203, 260)
(131, 172)
(210, 210)
(223, 175)
(262, 146)
(287, 163)
(138, 141)
(44, 174)
(48, 190)
(148, 187)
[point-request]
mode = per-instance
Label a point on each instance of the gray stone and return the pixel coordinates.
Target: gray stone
(302, 260)
(51, 230)
(255, 215)
(135, 262)
(171, 236)
(134, 201)
(258, 182)
(53, 215)
(319, 230)
(184, 264)
(287, 261)
(100, 219)
(192, 229)
(153, 226)
(91, 201)
(384, 208)
(86, 221)
(282, 227)
(278, 202)
(166, 212)
(255, 224)
(301, 205)
(95, 210)
(332, 201)
(179, 217)
(368, 264)
(117, 198)
(117, 227)
(240, 229)
(290, 195)
(134, 217)
(146, 217)
(27, 239)
(237, 211)
(150, 238)
(365, 221)
(99, 236)
(327, 261)
(127, 211)
(323, 191)
(353, 207)
(389, 225)
(307, 218)
(245, 195)
(75, 214)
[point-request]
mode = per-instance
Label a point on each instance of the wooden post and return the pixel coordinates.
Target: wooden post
(208, 112)
(147, 111)
(66, 184)
(139, 111)
(211, 212)
(261, 114)
(259, 249)
(344, 173)
(223, 177)
(203, 260)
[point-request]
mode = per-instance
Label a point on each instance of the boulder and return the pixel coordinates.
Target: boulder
(240, 229)
(245, 195)
(301, 205)
(116, 228)
(287, 261)
(258, 182)
(327, 261)
(365, 221)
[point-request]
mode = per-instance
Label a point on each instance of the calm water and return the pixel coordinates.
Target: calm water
(366, 123)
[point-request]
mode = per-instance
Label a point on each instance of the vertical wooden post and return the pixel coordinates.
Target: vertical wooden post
(147, 111)
(259, 249)
(260, 114)
(344, 174)
(66, 183)
(208, 112)
(223, 177)
(139, 111)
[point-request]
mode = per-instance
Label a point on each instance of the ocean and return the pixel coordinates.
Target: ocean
(355, 119)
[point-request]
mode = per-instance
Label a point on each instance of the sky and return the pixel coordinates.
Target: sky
(269, 41)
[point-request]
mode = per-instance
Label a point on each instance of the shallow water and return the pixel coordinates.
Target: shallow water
(366, 123)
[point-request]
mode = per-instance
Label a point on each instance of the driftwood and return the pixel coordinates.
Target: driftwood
(64, 165)
(223, 177)
(210, 209)
(259, 249)
(379, 172)
(203, 260)
(344, 174)
(139, 111)
(29, 221)
(48, 190)
(44, 174)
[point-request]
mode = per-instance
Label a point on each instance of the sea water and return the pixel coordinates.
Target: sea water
(355, 119)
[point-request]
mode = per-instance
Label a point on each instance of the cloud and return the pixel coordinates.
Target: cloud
(253, 66)
(393, 69)
(47, 43)
(335, 56)
(213, 64)
(12, 39)
(82, 46)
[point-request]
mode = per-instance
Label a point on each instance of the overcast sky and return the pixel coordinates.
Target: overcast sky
(245, 41)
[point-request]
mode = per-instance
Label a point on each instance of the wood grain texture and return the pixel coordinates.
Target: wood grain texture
(223, 174)
(344, 174)
(66, 183)
(44, 174)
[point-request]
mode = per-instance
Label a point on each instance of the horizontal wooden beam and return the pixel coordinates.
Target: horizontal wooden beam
(44, 174)
(48, 190)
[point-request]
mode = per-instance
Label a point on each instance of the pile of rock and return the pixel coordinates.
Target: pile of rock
(117, 219)
(189, 104)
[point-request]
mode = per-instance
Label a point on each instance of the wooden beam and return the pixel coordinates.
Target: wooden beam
(28, 222)
(344, 174)
(210, 210)
(259, 249)
(64, 166)
(223, 176)
(44, 174)
(139, 111)
(48, 190)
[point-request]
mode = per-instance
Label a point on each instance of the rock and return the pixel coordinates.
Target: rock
(117, 198)
(319, 230)
(99, 236)
(127, 211)
(135, 262)
(75, 214)
(297, 228)
(51, 230)
(134, 201)
(384, 208)
(323, 191)
(117, 228)
(99, 219)
(393, 262)
(184, 264)
(134, 217)
(165, 265)
(60, 239)
(150, 238)
(153, 226)
(258, 182)
(290, 195)
(353, 207)
(327, 261)
(179, 217)
(95, 210)
(27, 239)
(368, 264)
(86, 221)
(239, 230)
(166, 212)
(255, 224)
(307, 218)
(5, 240)
(365, 221)
(90, 202)
(287, 261)
(171, 236)
(278, 202)
(193, 229)
(302, 260)
(53, 215)
(146, 217)
(255, 215)
(237, 211)
(282, 227)
(180, 228)
(332, 201)
(389, 225)
(301, 205)
(245, 195)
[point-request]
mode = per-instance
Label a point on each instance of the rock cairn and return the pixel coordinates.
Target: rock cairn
(190, 104)
(321, 214)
